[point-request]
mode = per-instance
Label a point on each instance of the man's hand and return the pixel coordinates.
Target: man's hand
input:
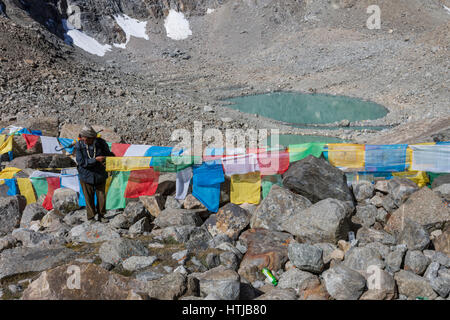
(100, 158)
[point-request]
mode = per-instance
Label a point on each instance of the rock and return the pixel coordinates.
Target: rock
(344, 245)
(229, 220)
(388, 203)
(363, 190)
(11, 209)
(31, 239)
(366, 215)
(225, 246)
(368, 235)
(172, 203)
(442, 242)
(166, 184)
(443, 191)
(400, 189)
(377, 200)
(181, 270)
(212, 260)
(120, 222)
(180, 256)
(440, 180)
(414, 236)
(145, 276)
(43, 160)
(382, 249)
(394, 259)
(317, 180)
(76, 217)
(325, 221)
(343, 283)
(278, 206)
(424, 207)
(438, 257)
(7, 242)
(96, 284)
(318, 292)
(381, 284)
(416, 262)
(265, 248)
(229, 260)
(52, 221)
(412, 285)
(24, 260)
(199, 239)
(327, 249)
(153, 204)
(298, 280)
(381, 215)
(279, 294)
(191, 202)
(71, 131)
(140, 227)
(32, 212)
(306, 257)
(92, 233)
(117, 250)
(220, 281)
(361, 258)
(178, 233)
(65, 200)
(382, 186)
(138, 262)
(177, 217)
(135, 211)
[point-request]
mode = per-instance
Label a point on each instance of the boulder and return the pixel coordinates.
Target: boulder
(366, 215)
(135, 211)
(368, 235)
(327, 249)
(279, 294)
(140, 227)
(7, 242)
(443, 191)
(92, 233)
(178, 217)
(20, 147)
(43, 160)
(306, 257)
(31, 239)
(138, 262)
(172, 203)
(22, 259)
(220, 281)
(442, 242)
(229, 220)
(438, 257)
(169, 287)
(32, 212)
(416, 262)
(363, 190)
(377, 200)
(191, 202)
(400, 189)
(343, 283)
(316, 179)
(96, 284)
(199, 239)
(11, 209)
(298, 280)
(65, 200)
(153, 204)
(414, 236)
(229, 260)
(325, 221)
(120, 222)
(76, 217)
(424, 207)
(71, 131)
(382, 249)
(412, 285)
(361, 258)
(381, 286)
(117, 250)
(278, 206)
(388, 204)
(176, 233)
(394, 259)
(382, 186)
(265, 248)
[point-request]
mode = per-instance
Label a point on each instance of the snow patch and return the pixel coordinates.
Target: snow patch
(209, 11)
(131, 27)
(177, 26)
(83, 41)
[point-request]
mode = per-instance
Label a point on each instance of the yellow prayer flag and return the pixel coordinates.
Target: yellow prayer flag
(418, 177)
(26, 189)
(9, 172)
(108, 183)
(127, 163)
(245, 188)
(7, 145)
(346, 155)
(2, 138)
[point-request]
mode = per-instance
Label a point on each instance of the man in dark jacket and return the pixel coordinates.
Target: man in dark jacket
(90, 154)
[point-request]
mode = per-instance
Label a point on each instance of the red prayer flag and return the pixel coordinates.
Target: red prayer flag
(53, 184)
(142, 183)
(30, 139)
(273, 162)
(119, 149)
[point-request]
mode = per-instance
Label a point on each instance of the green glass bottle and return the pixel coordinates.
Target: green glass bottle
(269, 276)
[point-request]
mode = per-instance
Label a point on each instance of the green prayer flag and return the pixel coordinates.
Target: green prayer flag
(268, 181)
(300, 151)
(115, 198)
(40, 185)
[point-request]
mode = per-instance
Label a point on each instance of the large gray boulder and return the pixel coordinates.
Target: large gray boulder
(412, 285)
(138, 262)
(394, 259)
(178, 217)
(363, 190)
(230, 220)
(298, 280)
(306, 257)
(366, 215)
(316, 179)
(65, 200)
(400, 189)
(116, 251)
(140, 227)
(220, 281)
(361, 258)
(92, 233)
(416, 262)
(414, 236)
(325, 221)
(11, 209)
(169, 287)
(23, 259)
(32, 212)
(381, 286)
(31, 239)
(343, 283)
(279, 205)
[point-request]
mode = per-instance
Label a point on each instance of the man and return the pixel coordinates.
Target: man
(90, 154)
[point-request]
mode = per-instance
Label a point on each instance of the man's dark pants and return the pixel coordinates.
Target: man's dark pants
(89, 191)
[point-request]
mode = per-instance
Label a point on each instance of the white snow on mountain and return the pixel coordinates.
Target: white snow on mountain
(177, 26)
(83, 41)
(131, 27)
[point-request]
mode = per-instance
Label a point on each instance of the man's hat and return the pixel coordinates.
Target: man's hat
(88, 132)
